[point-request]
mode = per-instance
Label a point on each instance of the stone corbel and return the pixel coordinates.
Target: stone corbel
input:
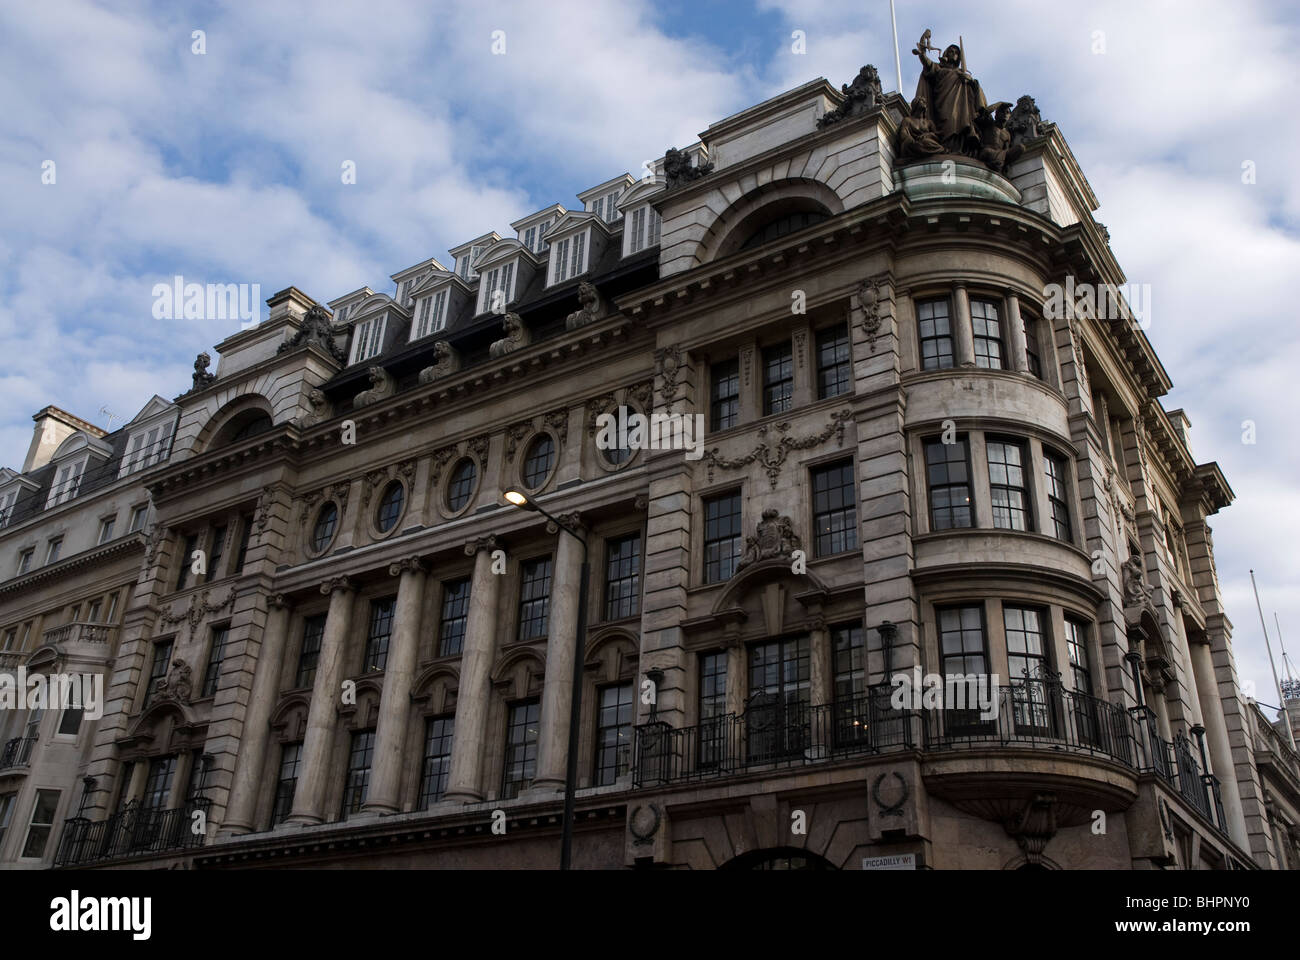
(446, 361)
(516, 336)
(381, 387)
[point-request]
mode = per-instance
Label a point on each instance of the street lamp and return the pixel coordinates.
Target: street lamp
(575, 704)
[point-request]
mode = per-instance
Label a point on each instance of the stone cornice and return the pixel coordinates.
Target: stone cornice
(129, 544)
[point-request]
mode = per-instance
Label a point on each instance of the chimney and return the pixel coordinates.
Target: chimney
(53, 426)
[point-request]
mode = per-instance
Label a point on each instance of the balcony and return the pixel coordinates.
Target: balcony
(80, 632)
(1034, 717)
(17, 753)
(134, 832)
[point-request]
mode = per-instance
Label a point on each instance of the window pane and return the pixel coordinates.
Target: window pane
(438, 733)
(614, 733)
(313, 630)
(1007, 486)
(725, 395)
(834, 363)
(722, 538)
(778, 379)
(455, 615)
(538, 462)
(534, 598)
(521, 748)
(835, 514)
(950, 493)
(935, 335)
(623, 577)
(987, 331)
(381, 628)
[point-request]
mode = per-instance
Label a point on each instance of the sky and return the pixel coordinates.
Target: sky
(220, 159)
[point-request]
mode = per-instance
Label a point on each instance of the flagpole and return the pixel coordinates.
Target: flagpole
(898, 63)
(1269, 647)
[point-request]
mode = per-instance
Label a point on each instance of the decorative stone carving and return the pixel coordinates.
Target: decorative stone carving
(1026, 122)
(773, 456)
(198, 608)
(1076, 341)
(644, 823)
(263, 508)
(592, 307)
(516, 336)
(595, 407)
(1035, 826)
(201, 375)
(800, 341)
(775, 538)
(446, 361)
(337, 492)
(640, 503)
(861, 96)
(441, 457)
(678, 170)
(316, 328)
(891, 799)
(1136, 589)
(514, 434)
(997, 152)
(479, 446)
(917, 138)
(641, 395)
(558, 420)
(177, 685)
(869, 301)
(668, 364)
(321, 409)
(373, 479)
(381, 387)
(156, 535)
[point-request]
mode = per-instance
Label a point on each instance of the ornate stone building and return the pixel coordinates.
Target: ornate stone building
(913, 463)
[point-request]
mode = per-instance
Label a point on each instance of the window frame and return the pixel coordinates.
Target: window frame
(815, 472)
(963, 440)
(985, 360)
(783, 355)
(529, 604)
(1025, 488)
(1054, 460)
(615, 605)
(844, 384)
(736, 538)
(922, 338)
(724, 375)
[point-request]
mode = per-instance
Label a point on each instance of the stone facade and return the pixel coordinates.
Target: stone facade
(908, 456)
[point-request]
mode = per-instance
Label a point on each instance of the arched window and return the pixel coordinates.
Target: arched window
(259, 423)
(782, 225)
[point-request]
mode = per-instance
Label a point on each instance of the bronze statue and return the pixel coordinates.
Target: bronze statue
(996, 149)
(916, 135)
(952, 97)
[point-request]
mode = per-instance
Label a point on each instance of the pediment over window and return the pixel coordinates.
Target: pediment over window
(571, 222)
(157, 407)
(80, 443)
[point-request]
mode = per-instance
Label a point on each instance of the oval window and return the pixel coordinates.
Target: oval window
(461, 484)
(620, 453)
(538, 462)
(390, 507)
(323, 532)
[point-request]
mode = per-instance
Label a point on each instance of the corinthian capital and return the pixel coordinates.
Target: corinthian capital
(483, 543)
(412, 564)
(570, 521)
(329, 586)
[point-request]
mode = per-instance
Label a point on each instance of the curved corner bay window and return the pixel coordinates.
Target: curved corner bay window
(461, 484)
(390, 507)
(326, 521)
(1007, 486)
(986, 328)
(538, 462)
(935, 334)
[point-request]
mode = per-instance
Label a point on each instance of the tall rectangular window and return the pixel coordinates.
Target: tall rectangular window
(579, 263)
(162, 655)
(438, 733)
(496, 289)
(246, 533)
(835, 509)
(1033, 355)
(357, 785)
(368, 338)
(106, 529)
(834, 363)
(313, 631)
(962, 652)
(138, 515)
(713, 708)
(948, 472)
(778, 379)
(25, 560)
(381, 628)
(724, 395)
(1076, 642)
(1027, 664)
(286, 784)
(722, 539)
(534, 598)
(42, 823)
(852, 713)
(614, 733)
(7, 801)
(935, 334)
(53, 550)
(521, 748)
(455, 616)
(1008, 488)
(158, 783)
(623, 577)
(560, 261)
(779, 690)
(217, 551)
(187, 561)
(986, 328)
(1058, 497)
(216, 655)
(643, 227)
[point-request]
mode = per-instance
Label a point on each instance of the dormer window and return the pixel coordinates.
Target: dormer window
(642, 229)
(463, 263)
(431, 315)
(368, 338)
(7, 500)
(147, 447)
(66, 482)
(497, 288)
(569, 257)
(606, 207)
(534, 236)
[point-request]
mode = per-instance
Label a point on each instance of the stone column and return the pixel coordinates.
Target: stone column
(821, 665)
(395, 701)
(1220, 749)
(135, 788)
(1016, 326)
(963, 336)
(256, 735)
(322, 715)
(561, 648)
(474, 692)
(735, 677)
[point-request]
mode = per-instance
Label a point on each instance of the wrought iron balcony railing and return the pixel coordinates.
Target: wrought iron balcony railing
(135, 831)
(17, 752)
